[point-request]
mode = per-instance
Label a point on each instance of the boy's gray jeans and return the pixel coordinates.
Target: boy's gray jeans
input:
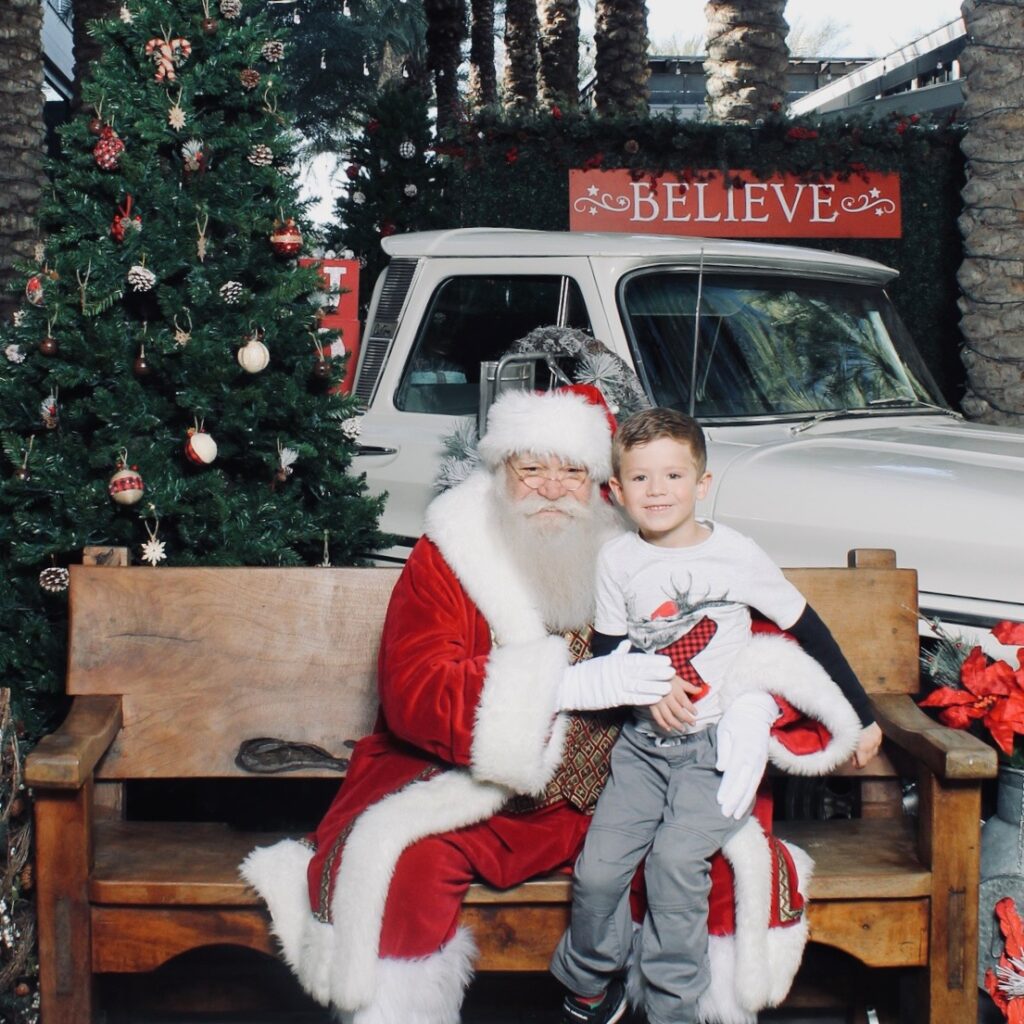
(660, 801)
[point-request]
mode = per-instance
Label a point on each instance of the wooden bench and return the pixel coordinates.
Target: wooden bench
(170, 669)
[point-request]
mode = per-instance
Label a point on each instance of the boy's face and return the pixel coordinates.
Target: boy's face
(659, 486)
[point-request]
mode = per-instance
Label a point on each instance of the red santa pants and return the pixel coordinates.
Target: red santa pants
(432, 875)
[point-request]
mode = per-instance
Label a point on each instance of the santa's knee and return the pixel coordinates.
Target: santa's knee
(422, 910)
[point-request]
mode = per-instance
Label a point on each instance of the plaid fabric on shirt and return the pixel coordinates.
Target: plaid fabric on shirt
(688, 646)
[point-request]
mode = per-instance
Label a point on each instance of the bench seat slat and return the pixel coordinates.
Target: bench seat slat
(189, 864)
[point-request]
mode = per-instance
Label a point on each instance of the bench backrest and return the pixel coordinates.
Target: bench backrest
(205, 658)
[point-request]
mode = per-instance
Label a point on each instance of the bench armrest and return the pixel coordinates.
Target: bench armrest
(66, 758)
(947, 753)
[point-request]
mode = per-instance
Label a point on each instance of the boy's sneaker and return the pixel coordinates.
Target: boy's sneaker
(608, 1011)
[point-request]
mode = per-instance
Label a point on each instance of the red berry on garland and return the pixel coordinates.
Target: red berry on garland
(286, 238)
(107, 152)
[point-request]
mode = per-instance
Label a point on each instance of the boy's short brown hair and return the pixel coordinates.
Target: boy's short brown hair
(651, 425)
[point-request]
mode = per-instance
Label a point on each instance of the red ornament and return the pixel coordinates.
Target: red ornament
(286, 238)
(352, 171)
(107, 152)
(95, 125)
(372, 127)
(387, 228)
(34, 290)
(511, 155)
(123, 220)
(48, 346)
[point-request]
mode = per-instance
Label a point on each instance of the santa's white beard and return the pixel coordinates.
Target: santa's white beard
(557, 554)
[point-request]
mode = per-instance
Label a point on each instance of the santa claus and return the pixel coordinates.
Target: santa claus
(491, 744)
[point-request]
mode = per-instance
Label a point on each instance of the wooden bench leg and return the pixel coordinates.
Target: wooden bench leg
(63, 845)
(950, 841)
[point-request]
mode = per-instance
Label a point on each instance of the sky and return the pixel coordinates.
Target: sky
(871, 28)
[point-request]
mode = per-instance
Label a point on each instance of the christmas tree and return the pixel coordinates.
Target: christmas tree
(165, 386)
(395, 179)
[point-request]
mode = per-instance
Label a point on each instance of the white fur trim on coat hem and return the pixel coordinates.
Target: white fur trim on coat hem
(448, 801)
(780, 666)
(426, 990)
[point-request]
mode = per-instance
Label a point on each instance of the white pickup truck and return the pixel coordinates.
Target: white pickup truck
(825, 430)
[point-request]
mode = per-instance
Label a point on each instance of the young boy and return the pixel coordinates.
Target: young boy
(681, 586)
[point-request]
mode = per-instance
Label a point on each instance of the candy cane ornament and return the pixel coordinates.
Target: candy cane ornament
(168, 54)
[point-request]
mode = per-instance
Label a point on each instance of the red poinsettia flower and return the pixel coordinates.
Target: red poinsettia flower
(1005, 984)
(1009, 632)
(992, 692)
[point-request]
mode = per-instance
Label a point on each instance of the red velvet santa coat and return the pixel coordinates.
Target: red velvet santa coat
(468, 686)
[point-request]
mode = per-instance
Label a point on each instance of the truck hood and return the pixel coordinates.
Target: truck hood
(948, 497)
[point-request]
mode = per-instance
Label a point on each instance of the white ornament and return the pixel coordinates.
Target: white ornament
(351, 428)
(19, 317)
(153, 550)
(200, 447)
(126, 15)
(14, 354)
(358, 198)
(141, 279)
(410, 190)
(253, 356)
(407, 150)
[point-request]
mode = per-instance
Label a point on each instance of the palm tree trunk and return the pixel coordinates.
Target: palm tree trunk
(992, 301)
(86, 49)
(446, 29)
(747, 58)
(483, 79)
(620, 41)
(21, 142)
(521, 32)
(560, 52)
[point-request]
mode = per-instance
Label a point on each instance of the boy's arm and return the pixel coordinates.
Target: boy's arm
(604, 643)
(817, 640)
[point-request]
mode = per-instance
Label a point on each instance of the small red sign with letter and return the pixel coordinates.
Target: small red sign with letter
(742, 206)
(340, 312)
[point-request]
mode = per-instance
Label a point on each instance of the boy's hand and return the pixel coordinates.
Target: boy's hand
(868, 744)
(675, 710)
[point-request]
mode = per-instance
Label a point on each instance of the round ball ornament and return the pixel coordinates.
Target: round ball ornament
(209, 26)
(35, 290)
(107, 152)
(200, 447)
(407, 149)
(322, 368)
(142, 366)
(126, 485)
(48, 346)
(95, 126)
(254, 356)
(286, 238)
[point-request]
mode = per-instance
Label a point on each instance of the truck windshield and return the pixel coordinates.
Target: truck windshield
(769, 345)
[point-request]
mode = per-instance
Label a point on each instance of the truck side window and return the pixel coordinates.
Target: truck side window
(472, 319)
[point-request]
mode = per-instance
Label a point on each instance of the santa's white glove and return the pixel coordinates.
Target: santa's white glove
(743, 750)
(614, 680)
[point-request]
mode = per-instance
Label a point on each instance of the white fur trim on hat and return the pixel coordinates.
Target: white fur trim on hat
(557, 423)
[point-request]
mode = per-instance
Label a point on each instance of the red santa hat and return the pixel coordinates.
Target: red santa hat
(571, 423)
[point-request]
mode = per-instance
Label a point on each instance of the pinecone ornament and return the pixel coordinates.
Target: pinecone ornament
(272, 51)
(107, 152)
(249, 77)
(231, 8)
(231, 292)
(141, 279)
(54, 580)
(261, 156)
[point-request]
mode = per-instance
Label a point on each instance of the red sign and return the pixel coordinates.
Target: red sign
(741, 206)
(341, 311)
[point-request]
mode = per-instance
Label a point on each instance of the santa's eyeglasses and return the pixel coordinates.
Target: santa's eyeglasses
(572, 478)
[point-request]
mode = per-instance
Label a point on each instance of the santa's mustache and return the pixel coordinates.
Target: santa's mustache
(534, 503)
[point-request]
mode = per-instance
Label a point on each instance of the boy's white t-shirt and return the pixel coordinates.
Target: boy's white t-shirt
(655, 595)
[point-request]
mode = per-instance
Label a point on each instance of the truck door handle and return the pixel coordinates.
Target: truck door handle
(374, 449)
